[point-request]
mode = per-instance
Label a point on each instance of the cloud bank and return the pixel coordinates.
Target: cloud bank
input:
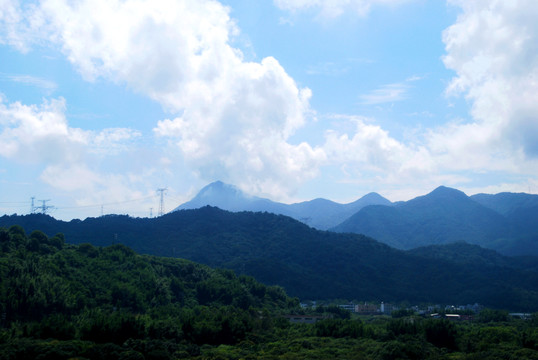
(493, 49)
(233, 119)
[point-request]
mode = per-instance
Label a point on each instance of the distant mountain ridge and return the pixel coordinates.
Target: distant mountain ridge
(505, 222)
(319, 213)
(507, 203)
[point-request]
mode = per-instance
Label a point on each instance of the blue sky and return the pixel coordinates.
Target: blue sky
(103, 102)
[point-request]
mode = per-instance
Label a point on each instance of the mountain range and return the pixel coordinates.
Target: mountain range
(309, 263)
(319, 213)
(506, 222)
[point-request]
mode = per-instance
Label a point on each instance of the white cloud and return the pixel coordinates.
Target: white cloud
(71, 158)
(231, 119)
(10, 25)
(93, 186)
(100, 191)
(493, 48)
(44, 84)
(334, 8)
(385, 94)
(112, 141)
(390, 92)
(41, 134)
(370, 149)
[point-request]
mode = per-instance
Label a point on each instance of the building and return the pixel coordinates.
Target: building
(366, 309)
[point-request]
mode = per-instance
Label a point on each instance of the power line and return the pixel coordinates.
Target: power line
(41, 206)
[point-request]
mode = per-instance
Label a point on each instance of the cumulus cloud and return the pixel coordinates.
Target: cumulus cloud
(369, 148)
(334, 8)
(493, 51)
(11, 20)
(231, 118)
(243, 137)
(493, 48)
(41, 134)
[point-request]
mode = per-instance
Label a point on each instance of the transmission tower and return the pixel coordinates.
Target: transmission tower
(44, 207)
(32, 210)
(161, 203)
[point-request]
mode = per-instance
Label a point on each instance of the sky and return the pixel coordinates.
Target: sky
(103, 102)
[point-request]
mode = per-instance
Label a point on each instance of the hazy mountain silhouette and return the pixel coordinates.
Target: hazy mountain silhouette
(522, 211)
(448, 215)
(507, 203)
(319, 213)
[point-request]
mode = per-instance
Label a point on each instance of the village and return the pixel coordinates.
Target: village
(450, 312)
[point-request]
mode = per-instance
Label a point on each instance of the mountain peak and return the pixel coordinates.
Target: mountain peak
(445, 192)
(218, 187)
(221, 195)
(440, 197)
(373, 196)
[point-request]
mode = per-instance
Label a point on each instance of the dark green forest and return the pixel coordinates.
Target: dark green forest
(62, 301)
(308, 263)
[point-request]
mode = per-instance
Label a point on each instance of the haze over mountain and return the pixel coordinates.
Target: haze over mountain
(308, 263)
(504, 222)
(319, 213)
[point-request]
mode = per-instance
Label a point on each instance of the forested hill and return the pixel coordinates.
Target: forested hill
(60, 301)
(474, 255)
(308, 263)
(130, 303)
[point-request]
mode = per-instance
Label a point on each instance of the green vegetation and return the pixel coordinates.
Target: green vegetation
(308, 263)
(60, 301)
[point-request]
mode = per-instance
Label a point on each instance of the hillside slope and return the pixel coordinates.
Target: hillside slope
(308, 263)
(113, 301)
